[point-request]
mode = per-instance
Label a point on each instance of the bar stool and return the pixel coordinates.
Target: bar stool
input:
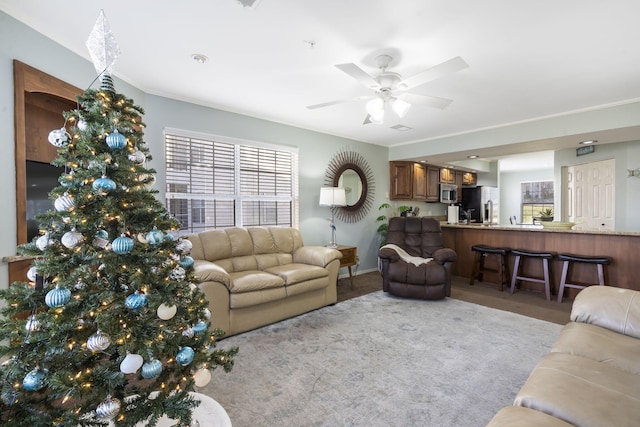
(481, 252)
(599, 261)
(521, 255)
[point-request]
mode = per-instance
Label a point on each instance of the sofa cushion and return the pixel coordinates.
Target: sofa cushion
(582, 391)
(295, 273)
(253, 280)
(524, 417)
(612, 308)
(600, 344)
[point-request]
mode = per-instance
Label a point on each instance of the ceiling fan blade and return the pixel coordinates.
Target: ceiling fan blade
(327, 104)
(437, 71)
(430, 101)
(358, 73)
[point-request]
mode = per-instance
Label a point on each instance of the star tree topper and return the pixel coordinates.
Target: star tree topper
(103, 46)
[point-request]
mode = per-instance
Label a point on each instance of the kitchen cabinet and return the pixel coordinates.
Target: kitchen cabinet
(433, 186)
(447, 176)
(469, 178)
(458, 182)
(409, 181)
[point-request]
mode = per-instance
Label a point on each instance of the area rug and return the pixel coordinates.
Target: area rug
(379, 360)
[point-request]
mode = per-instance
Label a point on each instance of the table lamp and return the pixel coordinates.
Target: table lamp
(333, 197)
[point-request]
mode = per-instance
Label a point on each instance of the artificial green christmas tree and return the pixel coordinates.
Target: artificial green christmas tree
(110, 327)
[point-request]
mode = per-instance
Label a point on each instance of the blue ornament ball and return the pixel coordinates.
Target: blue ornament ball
(154, 237)
(199, 327)
(151, 369)
(34, 380)
(135, 301)
(187, 262)
(116, 140)
(122, 245)
(57, 297)
(104, 185)
(185, 355)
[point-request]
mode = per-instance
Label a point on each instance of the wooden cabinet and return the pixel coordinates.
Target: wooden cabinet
(447, 176)
(408, 181)
(400, 175)
(433, 186)
(469, 178)
(458, 182)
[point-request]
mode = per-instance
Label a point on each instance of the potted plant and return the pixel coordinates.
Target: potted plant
(383, 220)
(546, 215)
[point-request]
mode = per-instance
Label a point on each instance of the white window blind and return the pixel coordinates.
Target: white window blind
(214, 184)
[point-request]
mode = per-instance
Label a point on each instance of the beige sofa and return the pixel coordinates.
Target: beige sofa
(256, 276)
(591, 377)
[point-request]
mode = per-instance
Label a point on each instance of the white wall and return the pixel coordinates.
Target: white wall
(510, 196)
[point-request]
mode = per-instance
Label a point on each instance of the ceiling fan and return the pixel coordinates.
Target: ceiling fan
(391, 89)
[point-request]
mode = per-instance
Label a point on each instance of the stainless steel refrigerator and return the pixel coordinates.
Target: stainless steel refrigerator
(484, 203)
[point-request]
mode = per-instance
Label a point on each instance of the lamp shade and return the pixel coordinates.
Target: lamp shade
(332, 196)
(400, 107)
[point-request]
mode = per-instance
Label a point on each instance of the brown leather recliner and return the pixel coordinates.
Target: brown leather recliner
(418, 237)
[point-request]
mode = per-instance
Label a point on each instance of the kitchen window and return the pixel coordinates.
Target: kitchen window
(535, 197)
(215, 182)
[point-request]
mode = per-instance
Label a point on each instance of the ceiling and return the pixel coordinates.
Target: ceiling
(527, 60)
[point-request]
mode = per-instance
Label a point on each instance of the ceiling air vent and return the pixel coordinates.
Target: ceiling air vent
(249, 3)
(401, 127)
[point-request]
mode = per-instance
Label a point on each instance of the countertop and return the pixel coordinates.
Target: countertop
(536, 228)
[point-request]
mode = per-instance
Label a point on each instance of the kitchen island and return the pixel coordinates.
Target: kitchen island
(622, 247)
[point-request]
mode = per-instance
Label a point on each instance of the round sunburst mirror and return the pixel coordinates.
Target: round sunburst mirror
(350, 170)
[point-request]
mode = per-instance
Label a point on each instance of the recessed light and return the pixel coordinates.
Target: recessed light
(473, 156)
(590, 141)
(199, 58)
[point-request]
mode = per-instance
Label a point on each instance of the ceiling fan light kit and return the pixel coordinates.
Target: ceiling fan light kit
(388, 87)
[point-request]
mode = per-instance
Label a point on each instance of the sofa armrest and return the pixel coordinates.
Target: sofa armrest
(612, 308)
(443, 255)
(388, 254)
(207, 271)
(316, 255)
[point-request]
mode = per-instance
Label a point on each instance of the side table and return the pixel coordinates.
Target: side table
(349, 258)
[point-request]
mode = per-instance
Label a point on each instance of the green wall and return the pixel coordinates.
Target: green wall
(315, 149)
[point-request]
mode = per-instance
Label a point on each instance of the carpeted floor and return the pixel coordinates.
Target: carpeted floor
(527, 303)
(378, 360)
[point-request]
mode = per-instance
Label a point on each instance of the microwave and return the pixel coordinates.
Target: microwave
(448, 193)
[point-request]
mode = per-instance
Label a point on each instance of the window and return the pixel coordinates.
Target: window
(215, 183)
(535, 197)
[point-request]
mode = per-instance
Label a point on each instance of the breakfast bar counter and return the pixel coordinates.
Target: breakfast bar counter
(622, 247)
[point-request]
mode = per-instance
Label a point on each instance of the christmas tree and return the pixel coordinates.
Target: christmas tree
(109, 327)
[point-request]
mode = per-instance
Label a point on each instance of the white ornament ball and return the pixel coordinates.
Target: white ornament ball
(32, 324)
(131, 363)
(64, 203)
(98, 342)
(178, 273)
(202, 377)
(184, 246)
(59, 137)
(70, 239)
(137, 157)
(32, 273)
(108, 409)
(166, 312)
(43, 241)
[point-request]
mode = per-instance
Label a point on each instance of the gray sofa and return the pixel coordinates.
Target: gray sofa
(260, 275)
(591, 377)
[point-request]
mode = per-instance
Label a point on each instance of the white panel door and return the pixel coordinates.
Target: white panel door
(590, 195)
